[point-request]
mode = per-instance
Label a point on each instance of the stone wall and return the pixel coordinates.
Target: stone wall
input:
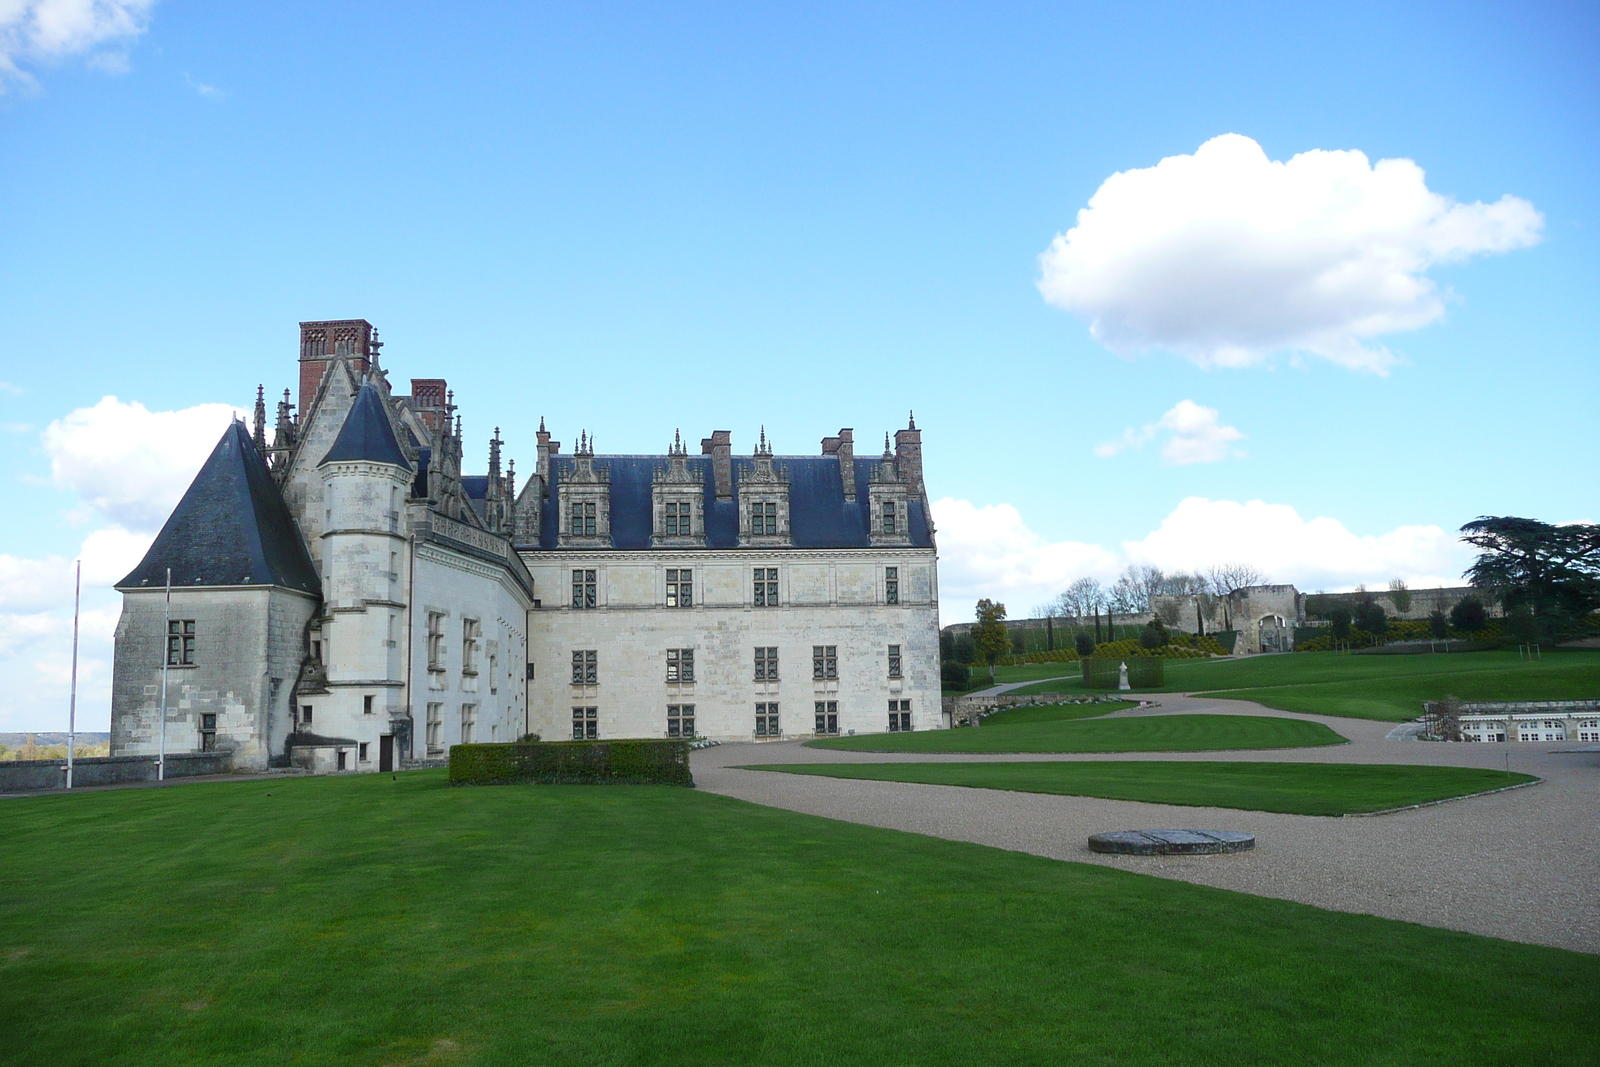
(18, 776)
(826, 597)
(247, 650)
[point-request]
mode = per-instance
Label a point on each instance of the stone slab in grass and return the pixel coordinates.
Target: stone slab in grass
(1171, 842)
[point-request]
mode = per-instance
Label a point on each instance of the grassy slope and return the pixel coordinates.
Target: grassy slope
(1160, 733)
(371, 921)
(1294, 788)
(1378, 687)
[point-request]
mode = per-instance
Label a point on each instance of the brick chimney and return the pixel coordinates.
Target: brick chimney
(844, 447)
(430, 397)
(719, 446)
(908, 455)
(320, 342)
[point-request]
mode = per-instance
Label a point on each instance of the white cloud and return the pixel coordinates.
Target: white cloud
(203, 89)
(1227, 257)
(51, 30)
(1194, 435)
(991, 552)
(129, 464)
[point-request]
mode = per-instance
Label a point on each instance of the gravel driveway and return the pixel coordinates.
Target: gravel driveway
(1522, 865)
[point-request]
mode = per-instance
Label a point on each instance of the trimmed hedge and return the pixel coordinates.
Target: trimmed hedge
(661, 762)
(1144, 672)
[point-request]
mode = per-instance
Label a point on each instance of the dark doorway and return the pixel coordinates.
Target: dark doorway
(386, 752)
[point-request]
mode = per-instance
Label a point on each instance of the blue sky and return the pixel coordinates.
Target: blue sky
(629, 219)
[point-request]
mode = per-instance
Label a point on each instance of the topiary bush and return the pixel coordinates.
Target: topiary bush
(656, 762)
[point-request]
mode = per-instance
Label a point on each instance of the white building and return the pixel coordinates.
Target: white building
(1530, 721)
(345, 599)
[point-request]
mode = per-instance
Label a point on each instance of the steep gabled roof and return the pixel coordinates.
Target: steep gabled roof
(367, 433)
(232, 527)
(819, 514)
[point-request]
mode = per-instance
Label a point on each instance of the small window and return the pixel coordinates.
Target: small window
(585, 724)
(680, 587)
(764, 518)
(305, 715)
(366, 704)
(680, 720)
(342, 757)
(827, 717)
(435, 738)
(208, 732)
(767, 664)
(678, 520)
(494, 673)
(766, 588)
(436, 640)
(899, 716)
(583, 520)
(680, 664)
(891, 585)
(585, 667)
(889, 516)
(469, 723)
(583, 589)
(471, 633)
(767, 720)
(824, 661)
(361, 754)
(180, 643)
(894, 661)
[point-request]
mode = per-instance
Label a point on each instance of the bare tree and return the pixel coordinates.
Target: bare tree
(1228, 578)
(1399, 596)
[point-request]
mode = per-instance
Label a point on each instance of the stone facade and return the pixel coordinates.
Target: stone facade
(348, 600)
(828, 599)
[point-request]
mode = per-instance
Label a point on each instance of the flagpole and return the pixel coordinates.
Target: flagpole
(72, 704)
(166, 658)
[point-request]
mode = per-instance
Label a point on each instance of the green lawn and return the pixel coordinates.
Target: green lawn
(1293, 788)
(366, 920)
(1377, 687)
(1155, 733)
(1055, 712)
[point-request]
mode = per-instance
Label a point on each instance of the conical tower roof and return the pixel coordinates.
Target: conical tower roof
(367, 433)
(232, 527)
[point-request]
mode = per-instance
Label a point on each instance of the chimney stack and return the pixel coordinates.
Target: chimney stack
(908, 455)
(844, 447)
(322, 342)
(719, 446)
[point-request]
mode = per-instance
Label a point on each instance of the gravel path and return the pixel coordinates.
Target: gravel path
(1522, 865)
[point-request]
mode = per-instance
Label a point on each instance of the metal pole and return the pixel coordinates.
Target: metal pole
(72, 704)
(166, 658)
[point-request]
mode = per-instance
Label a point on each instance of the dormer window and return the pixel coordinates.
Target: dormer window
(891, 525)
(679, 520)
(583, 520)
(764, 518)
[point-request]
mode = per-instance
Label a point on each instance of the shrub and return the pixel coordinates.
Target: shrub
(1084, 644)
(663, 762)
(956, 675)
(1155, 635)
(1469, 615)
(966, 650)
(1438, 625)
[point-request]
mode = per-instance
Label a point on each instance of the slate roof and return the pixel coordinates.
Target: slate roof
(819, 515)
(367, 433)
(232, 527)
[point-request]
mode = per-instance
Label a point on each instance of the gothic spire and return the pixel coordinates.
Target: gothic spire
(259, 436)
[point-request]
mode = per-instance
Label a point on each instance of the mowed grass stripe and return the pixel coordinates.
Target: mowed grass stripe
(1389, 688)
(1290, 788)
(1152, 733)
(369, 920)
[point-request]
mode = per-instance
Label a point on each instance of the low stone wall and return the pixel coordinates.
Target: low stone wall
(18, 776)
(1514, 707)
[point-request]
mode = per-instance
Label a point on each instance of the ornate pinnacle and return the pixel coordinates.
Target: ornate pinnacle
(911, 421)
